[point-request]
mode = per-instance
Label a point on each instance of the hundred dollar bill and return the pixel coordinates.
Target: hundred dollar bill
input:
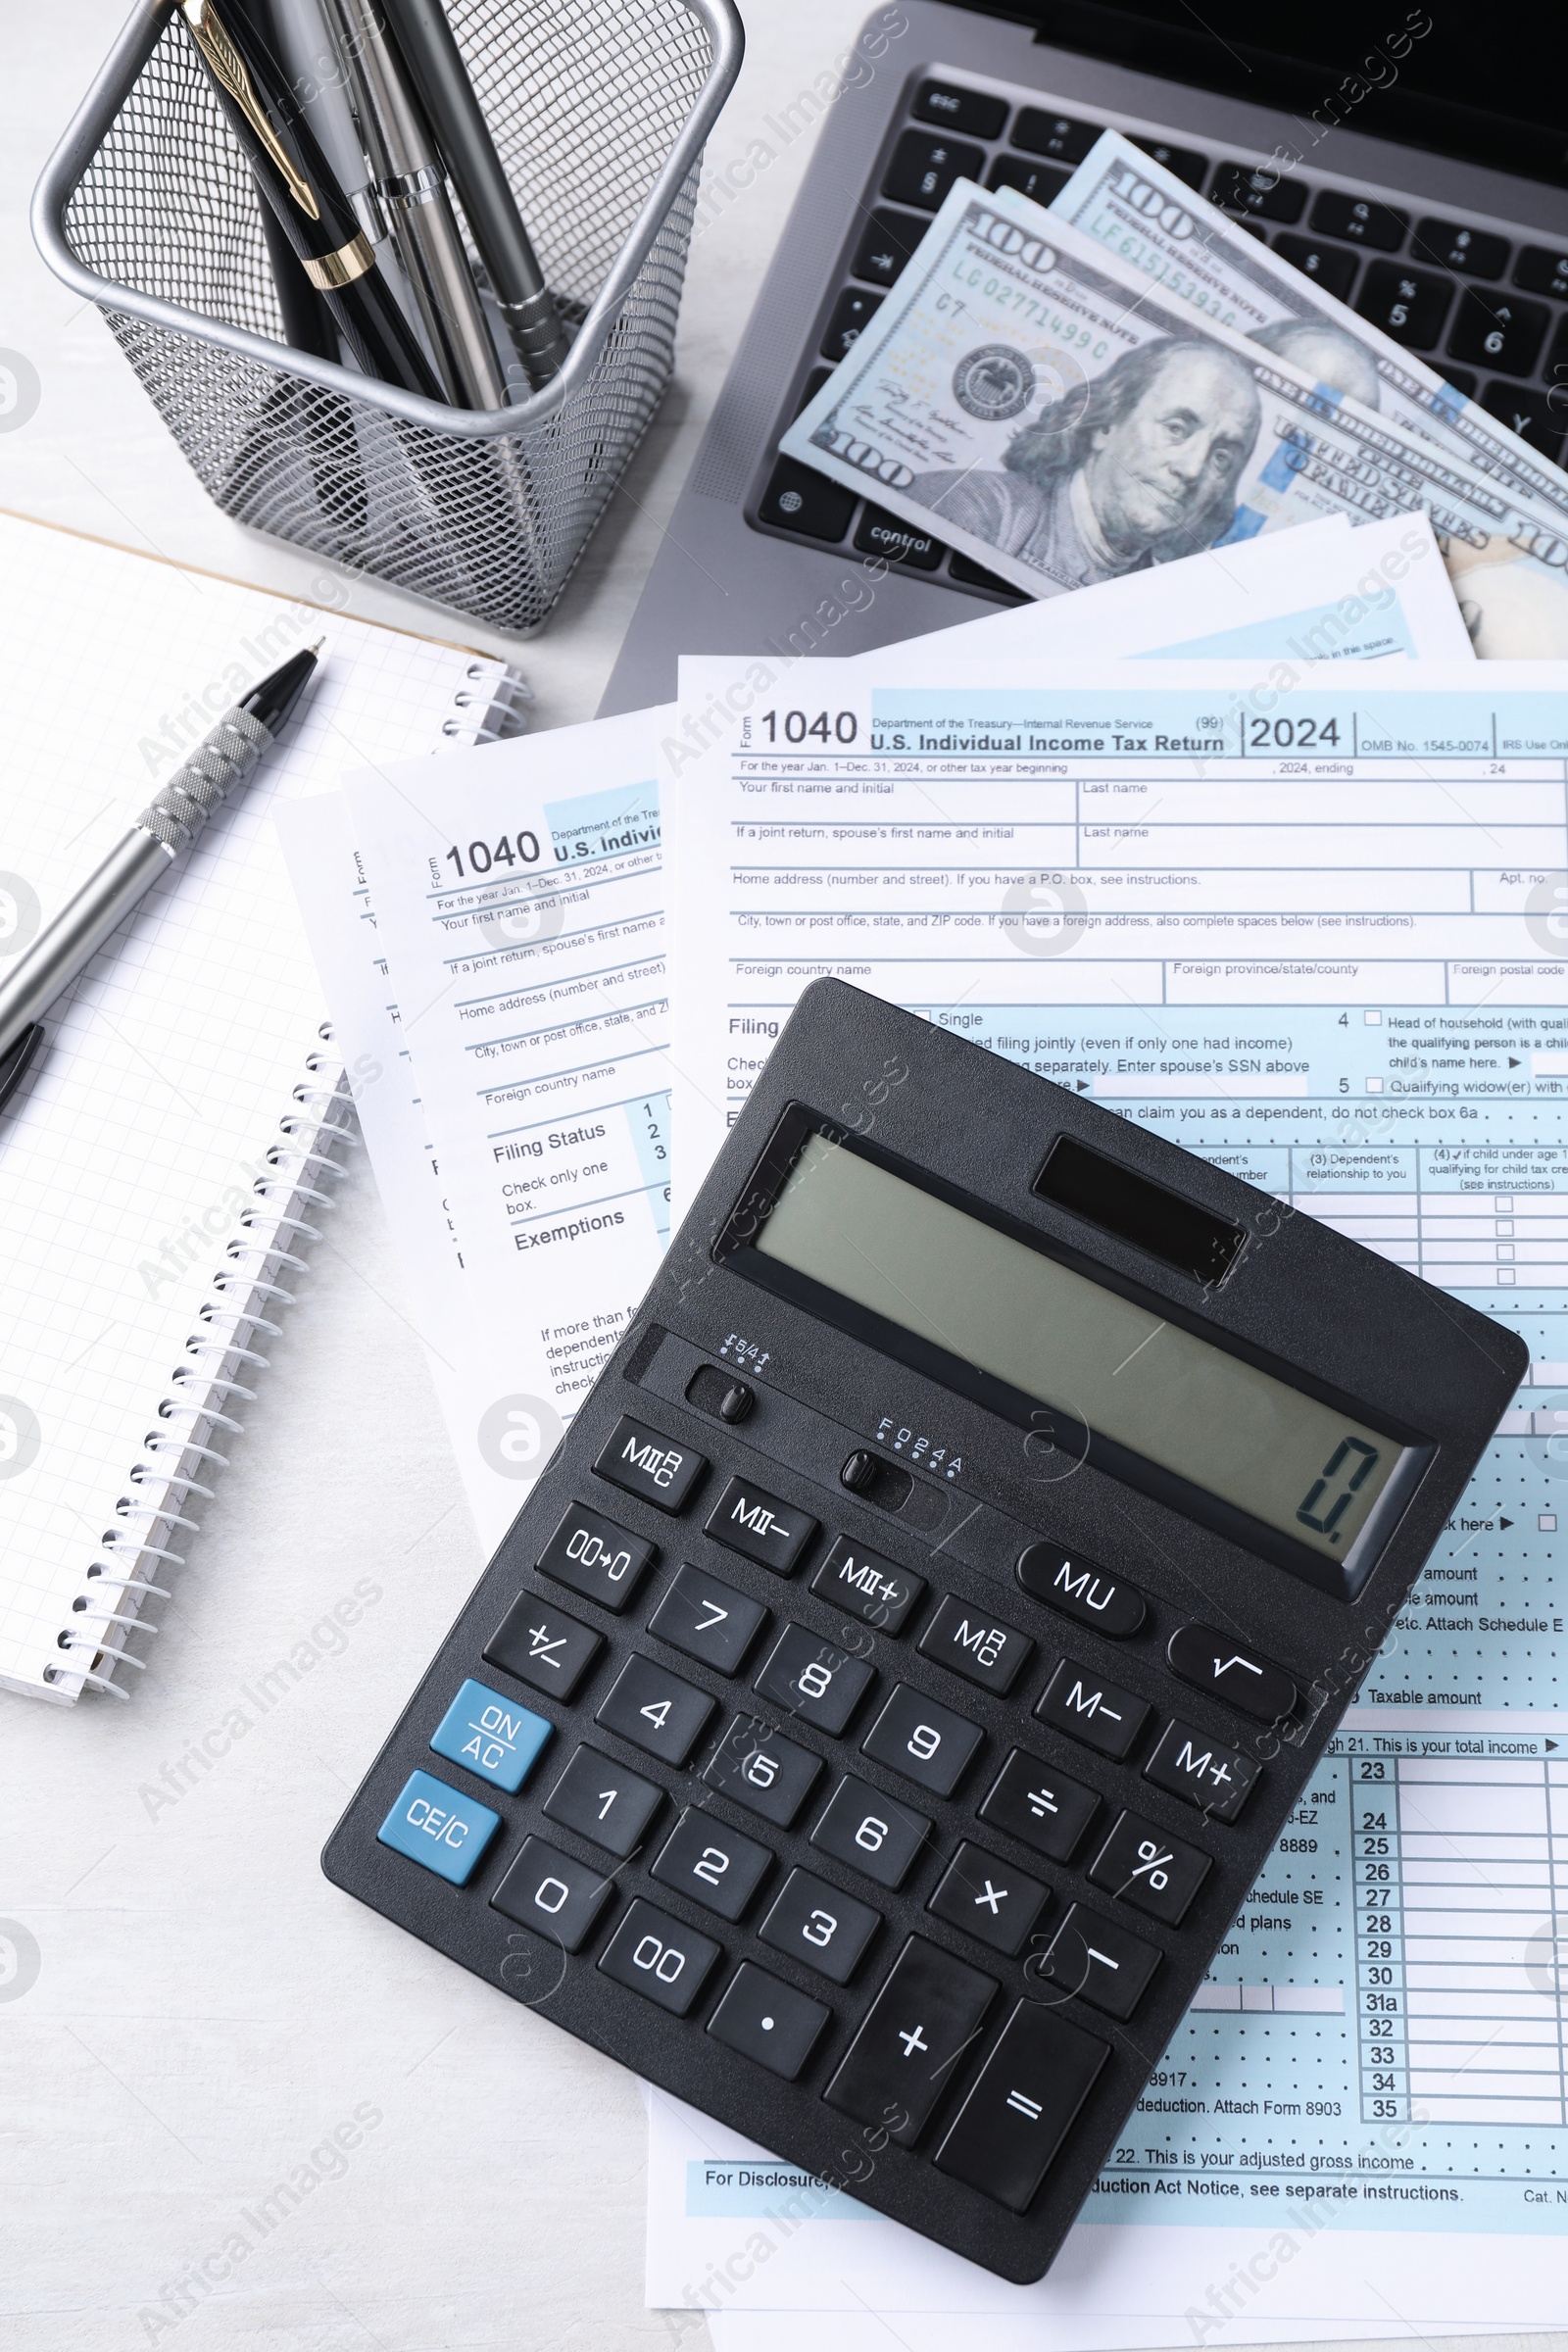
(1149, 222)
(1059, 422)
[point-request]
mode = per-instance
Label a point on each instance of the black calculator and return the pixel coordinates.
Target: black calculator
(886, 1697)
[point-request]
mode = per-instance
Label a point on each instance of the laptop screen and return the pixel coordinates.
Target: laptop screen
(1488, 84)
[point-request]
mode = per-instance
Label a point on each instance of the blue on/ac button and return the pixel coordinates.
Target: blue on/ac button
(492, 1736)
(439, 1828)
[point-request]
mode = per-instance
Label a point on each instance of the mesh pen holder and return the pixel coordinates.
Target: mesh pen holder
(599, 109)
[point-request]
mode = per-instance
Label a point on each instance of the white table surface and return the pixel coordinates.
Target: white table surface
(208, 2011)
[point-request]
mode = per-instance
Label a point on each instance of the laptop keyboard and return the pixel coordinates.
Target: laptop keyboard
(1488, 312)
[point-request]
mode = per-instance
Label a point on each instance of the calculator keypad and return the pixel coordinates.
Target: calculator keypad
(1083, 1704)
(876, 1590)
(1140, 1865)
(769, 2021)
(759, 1526)
(989, 1898)
(549, 1891)
(814, 1679)
(604, 1801)
(539, 1645)
(655, 1955)
(1217, 1662)
(1100, 1962)
(1022, 2106)
(1082, 1590)
(973, 1643)
(906, 2042)
(597, 1558)
(1039, 1806)
(757, 1768)
(1218, 1779)
(648, 1464)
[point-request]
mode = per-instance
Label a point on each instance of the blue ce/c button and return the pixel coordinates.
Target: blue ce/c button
(492, 1736)
(439, 1828)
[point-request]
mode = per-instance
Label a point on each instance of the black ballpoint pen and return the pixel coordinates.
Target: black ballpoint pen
(298, 182)
(143, 855)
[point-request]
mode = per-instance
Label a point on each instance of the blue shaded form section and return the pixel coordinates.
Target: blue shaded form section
(605, 825)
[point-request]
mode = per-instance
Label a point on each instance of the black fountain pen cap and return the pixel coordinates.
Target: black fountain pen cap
(270, 124)
(271, 703)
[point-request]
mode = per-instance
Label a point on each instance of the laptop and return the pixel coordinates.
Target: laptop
(1414, 162)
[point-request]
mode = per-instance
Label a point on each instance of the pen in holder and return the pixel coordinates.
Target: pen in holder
(148, 209)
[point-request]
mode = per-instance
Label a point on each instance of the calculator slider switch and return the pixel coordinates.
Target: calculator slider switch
(884, 1484)
(1214, 1778)
(1081, 1589)
(721, 1395)
(1216, 1662)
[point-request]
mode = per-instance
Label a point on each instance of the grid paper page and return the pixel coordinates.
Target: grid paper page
(134, 1147)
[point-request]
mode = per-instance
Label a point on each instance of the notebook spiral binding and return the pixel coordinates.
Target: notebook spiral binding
(495, 700)
(232, 1315)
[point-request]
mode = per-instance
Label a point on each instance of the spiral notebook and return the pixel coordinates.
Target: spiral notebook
(160, 1166)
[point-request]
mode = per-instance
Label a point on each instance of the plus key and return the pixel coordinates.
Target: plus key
(905, 2053)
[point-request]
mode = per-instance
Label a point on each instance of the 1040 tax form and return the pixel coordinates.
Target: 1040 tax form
(1312, 923)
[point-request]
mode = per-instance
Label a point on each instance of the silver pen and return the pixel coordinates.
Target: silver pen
(412, 185)
(144, 852)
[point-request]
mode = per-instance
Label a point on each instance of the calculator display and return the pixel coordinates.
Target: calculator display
(1237, 1432)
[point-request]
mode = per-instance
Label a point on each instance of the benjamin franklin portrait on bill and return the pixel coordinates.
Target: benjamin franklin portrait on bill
(1137, 471)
